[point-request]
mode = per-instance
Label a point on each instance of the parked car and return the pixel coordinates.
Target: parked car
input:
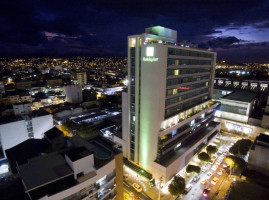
(215, 167)
(215, 180)
(206, 192)
(204, 169)
(196, 178)
(224, 165)
(188, 188)
(208, 175)
(203, 181)
(137, 187)
(218, 162)
(220, 172)
(125, 177)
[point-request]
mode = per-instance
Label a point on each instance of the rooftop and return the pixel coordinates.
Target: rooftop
(53, 133)
(263, 138)
(43, 170)
(76, 154)
(243, 96)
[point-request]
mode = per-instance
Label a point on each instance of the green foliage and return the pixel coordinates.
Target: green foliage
(235, 162)
(177, 186)
(211, 149)
(193, 168)
(204, 157)
(241, 147)
(83, 129)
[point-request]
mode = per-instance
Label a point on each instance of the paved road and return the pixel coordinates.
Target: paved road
(142, 195)
(197, 188)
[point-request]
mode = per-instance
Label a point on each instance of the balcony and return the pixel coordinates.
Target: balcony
(187, 118)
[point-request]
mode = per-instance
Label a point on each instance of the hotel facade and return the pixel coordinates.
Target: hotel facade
(167, 111)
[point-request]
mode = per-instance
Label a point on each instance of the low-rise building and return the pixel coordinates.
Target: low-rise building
(83, 169)
(23, 125)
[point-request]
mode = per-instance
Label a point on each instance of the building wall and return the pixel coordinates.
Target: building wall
(255, 130)
(258, 159)
(73, 94)
(105, 170)
(232, 116)
(168, 172)
(125, 123)
(119, 176)
(84, 164)
(12, 134)
(41, 125)
(153, 83)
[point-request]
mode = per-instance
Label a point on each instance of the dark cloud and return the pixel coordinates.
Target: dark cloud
(221, 42)
(101, 27)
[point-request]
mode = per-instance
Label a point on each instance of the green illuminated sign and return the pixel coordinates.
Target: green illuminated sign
(150, 55)
(149, 59)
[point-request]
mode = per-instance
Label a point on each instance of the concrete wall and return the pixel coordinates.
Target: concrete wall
(12, 134)
(84, 164)
(258, 159)
(232, 116)
(105, 170)
(152, 105)
(168, 172)
(256, 130)
(41, 125)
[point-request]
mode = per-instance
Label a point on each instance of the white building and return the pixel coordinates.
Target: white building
(73, 93)
(167, 112)
(16, 129)
(90, 169)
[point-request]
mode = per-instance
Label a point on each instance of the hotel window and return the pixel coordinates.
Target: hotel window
(176, 72)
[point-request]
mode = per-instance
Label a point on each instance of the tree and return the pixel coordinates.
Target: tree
(235, 162)
(193, 168)
(211, 149)
(177, 186)
(204, 157)
(241, 147)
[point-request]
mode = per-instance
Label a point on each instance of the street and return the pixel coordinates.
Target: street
(217, 191)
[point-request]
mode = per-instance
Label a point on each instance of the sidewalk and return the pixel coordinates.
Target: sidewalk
(223, 189)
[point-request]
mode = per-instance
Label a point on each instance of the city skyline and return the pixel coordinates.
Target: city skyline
(237, 31)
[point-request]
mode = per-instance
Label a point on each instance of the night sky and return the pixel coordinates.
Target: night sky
(237, 29)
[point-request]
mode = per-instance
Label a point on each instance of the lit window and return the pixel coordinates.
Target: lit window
(206, 83)
(174, 91)
(176, 72)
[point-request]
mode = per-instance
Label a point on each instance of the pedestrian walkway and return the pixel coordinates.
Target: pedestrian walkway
(223, 189)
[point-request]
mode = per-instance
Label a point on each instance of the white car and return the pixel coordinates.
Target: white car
(208, 175)
(221, 150)
(215, 180)
(204, 169)
(220, 172)
(188, 188)
(218, 162)
(204, 181)
(215, 167)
